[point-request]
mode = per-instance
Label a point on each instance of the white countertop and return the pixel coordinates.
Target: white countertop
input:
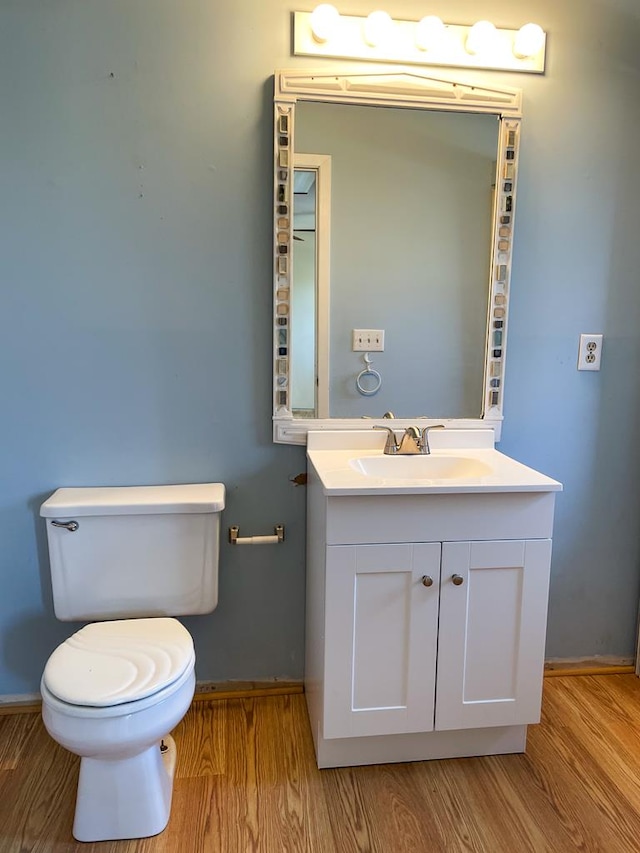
(338, 457)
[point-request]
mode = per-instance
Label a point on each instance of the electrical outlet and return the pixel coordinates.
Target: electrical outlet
(367, 340)
(589, 352)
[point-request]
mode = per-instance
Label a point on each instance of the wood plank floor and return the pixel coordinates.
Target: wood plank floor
(247, 781)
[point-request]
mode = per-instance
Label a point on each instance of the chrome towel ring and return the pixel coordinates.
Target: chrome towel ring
(376, 383)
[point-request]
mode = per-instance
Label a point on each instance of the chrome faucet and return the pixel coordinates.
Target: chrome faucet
(424, 437)
(412, 441)
(409, 443)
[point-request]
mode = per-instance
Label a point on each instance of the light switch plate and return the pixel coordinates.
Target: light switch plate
(367, 340)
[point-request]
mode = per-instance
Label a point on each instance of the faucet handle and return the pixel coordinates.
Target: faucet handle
(424, 439)
(391, 445)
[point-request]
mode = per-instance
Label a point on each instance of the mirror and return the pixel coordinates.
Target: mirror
(394, 204)
(411, 211)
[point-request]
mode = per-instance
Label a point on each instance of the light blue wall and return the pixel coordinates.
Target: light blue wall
(135, 294)
(577, 269)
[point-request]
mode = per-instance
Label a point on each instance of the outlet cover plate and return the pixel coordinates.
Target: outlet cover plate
(590, 352)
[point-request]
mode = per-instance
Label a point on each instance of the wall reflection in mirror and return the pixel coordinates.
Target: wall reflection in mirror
(411, 218)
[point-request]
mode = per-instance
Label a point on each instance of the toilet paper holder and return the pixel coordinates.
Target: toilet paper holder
(276, 539)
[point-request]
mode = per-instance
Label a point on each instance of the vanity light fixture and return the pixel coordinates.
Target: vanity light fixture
(481, 39)
(377, 28)
(379, 38)
(529, 41)
(324, 21)
(430, 31)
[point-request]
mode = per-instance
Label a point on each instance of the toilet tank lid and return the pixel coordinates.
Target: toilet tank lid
(135, 500)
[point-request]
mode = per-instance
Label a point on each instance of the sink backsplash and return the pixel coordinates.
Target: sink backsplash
(442, 439)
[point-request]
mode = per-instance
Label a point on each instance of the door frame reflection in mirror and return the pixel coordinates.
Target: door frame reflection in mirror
(399, 88)
(321, 165)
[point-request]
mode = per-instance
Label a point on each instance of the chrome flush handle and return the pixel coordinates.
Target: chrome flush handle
(71, 526)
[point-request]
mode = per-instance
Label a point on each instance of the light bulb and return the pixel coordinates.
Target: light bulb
(429, 32)
(377, 28)
(481, 37)
(323, 21)
(528, 42)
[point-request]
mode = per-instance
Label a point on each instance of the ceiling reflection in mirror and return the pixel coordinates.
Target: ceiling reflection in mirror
(411, 206)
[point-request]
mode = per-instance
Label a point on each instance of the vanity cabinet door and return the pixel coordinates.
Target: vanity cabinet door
(493, 606)
(381, 623)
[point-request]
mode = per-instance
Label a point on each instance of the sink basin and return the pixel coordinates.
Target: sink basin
(351, 462)
(420, 467)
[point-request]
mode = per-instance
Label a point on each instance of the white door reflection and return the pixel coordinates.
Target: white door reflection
(303, 298)
(310, 294)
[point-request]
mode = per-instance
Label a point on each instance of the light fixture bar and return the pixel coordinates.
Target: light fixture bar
(398, 44)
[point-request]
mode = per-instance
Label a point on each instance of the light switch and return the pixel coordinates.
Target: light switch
(367, 340)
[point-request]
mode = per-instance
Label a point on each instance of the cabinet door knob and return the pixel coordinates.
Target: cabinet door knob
(458, 580)
(427, 581)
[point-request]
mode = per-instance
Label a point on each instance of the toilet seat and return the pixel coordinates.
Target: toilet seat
(109, 664)
(125, 709)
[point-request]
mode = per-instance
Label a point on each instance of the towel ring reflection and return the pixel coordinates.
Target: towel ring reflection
(368, 371)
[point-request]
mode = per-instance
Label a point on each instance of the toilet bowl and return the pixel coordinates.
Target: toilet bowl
(127, 559)
(145, 669)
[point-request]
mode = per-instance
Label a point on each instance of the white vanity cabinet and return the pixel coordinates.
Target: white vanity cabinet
(426, 622)
(479, 624)
(492, 632)
(381, 639)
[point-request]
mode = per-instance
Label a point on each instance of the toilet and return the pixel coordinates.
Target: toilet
(127, 560)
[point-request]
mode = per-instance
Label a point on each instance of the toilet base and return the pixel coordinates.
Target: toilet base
(125, 797)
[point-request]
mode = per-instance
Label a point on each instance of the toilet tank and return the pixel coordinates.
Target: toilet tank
(131, 551)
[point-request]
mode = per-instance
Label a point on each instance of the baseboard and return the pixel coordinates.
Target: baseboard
(212, 690)
(599, 665)
(19, 703)
(206, 691)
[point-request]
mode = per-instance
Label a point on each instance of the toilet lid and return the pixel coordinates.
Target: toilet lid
(109, 663)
